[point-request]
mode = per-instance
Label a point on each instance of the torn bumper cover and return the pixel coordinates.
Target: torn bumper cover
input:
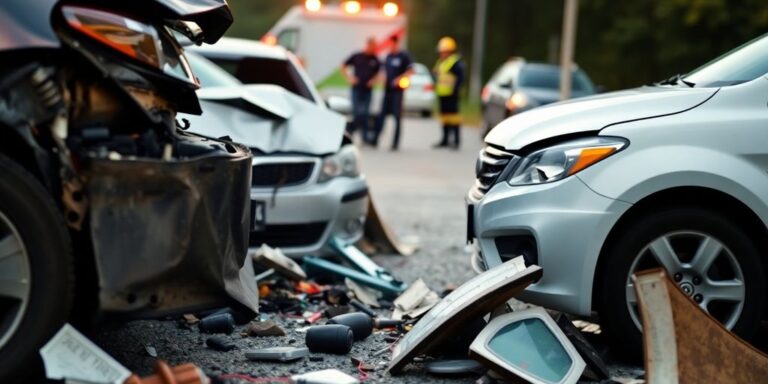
(172, 235)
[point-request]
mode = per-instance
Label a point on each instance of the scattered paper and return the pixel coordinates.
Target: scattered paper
(71, 356)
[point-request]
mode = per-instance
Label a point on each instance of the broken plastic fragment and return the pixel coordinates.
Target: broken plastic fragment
(282, 264)
(528, 344)
(328, 376)
(71, 356)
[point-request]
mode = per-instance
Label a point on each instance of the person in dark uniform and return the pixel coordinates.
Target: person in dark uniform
(449, 75)
(365, 69)
(397, 67)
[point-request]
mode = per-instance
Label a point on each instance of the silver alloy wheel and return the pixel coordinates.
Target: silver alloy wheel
(15, 279)
(692, 270)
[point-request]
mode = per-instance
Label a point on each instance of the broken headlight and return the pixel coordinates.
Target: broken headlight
(560, 161)
(145, 43)
(345, 163)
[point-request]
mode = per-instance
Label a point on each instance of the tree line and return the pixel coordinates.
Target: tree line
(620, 44)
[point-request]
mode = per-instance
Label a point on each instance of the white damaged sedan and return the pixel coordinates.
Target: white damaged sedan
(307, 188)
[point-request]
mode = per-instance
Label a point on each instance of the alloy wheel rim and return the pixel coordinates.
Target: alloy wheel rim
(702, 266)
(15, 280)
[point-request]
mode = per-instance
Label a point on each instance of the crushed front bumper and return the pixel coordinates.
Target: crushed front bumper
(568, 224)
(302, 219)
(172, 235)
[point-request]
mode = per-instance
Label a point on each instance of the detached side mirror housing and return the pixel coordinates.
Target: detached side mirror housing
(339, 104)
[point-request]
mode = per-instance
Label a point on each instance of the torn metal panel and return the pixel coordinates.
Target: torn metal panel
(684, 344)
(269, 119)
(169, 235)
(379, 238)
(472, 300)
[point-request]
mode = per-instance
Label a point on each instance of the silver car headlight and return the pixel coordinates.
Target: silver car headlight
(563, 160)
(345, 163)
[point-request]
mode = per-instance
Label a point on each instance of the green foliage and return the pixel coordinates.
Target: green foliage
(620, 44)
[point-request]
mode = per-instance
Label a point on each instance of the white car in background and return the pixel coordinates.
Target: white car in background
(672, 175)
(306, 185)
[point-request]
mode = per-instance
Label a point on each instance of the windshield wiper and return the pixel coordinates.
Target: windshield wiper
(675, 80)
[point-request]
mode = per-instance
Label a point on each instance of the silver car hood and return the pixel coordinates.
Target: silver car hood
(269, 119)
(591, 114)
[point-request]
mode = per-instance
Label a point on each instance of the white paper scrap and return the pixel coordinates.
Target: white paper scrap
(71, 356)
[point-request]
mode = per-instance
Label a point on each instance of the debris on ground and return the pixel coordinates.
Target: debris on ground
(281, 354)
(417, 300)
(265, 328)
(682, 343)
(365, 295)
(332, 338)
(71, 356)
(473, 300)
(596, 367)
(454, 367)
(274, 258)
(217, 323)
(151, 351)
(328, 376)
(362, 325)
(528, 345)
(185, 373)
(332, 314)
(220, 343)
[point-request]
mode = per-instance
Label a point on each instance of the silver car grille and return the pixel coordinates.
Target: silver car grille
(490, 165)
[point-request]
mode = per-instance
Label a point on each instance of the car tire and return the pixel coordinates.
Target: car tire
(34, 231)
(680, 227)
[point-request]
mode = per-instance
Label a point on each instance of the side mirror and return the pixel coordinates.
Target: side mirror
(339, 104)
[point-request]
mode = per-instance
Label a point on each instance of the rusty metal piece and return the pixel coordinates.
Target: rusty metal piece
(75, 202)
(684, 344)
(378, 238)
(180, 374)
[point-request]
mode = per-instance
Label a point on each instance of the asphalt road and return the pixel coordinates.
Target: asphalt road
(420, 193)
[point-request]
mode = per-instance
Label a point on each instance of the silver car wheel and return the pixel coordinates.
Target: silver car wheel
(15, 279)
(701, 265)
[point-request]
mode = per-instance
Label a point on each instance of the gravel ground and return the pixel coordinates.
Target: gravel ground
(420, 194)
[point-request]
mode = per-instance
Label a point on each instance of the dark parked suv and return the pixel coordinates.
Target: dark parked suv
(519, 86)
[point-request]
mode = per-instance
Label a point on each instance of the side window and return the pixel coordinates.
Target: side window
(506, 76)
(289, 39)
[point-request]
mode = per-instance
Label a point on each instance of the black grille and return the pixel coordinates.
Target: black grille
(289, 235)
(491, 163)
(282, 174)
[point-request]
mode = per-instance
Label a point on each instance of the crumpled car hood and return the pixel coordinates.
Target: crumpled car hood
(268, 118)
(594, 113)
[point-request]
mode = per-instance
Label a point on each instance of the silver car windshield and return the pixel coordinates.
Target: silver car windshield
(743, 64)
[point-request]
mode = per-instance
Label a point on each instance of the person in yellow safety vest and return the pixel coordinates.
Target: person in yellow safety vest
(449, 75)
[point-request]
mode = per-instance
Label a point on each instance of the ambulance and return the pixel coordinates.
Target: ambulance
(324, 34)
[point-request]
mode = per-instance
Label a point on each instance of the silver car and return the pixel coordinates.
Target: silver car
(672, 175)
(306, 185)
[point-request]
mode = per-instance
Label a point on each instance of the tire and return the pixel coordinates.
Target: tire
(685, 230)
(41, 238)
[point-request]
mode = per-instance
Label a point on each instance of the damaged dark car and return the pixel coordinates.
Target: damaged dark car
(105, 201)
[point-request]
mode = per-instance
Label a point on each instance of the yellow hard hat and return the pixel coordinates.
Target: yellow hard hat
(446, 44)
